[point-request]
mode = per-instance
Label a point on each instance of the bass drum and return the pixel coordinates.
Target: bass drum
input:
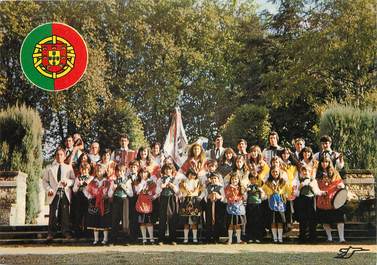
(340, 198)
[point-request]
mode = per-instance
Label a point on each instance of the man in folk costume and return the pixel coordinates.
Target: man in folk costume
(218, 150)
(336, 158)
(57, 181)
(273, 149)
(124, 155)
(241, 148)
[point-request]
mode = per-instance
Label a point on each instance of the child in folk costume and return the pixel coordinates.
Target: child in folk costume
(167, 190)
(305, 204)
(146, 191)
(190, 208)
(121, 189)
(214, 207)
(235, 196)
(99, 211)
(157, 156)
(132, 214)
(254, 224)
(242, 169)
(80, 202)
(292, 183)
(212, 166)
(227, 161)
(328, 179)
(277, 192)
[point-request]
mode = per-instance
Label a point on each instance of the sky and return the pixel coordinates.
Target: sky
(265, 4)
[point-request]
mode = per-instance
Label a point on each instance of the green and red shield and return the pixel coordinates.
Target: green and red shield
(54, 56)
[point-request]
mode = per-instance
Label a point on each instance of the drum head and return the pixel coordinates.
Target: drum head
(340, 198)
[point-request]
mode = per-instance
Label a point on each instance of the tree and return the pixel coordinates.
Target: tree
(249, 122)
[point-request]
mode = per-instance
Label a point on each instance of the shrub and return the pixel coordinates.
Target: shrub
(354, 133)
(21, 150)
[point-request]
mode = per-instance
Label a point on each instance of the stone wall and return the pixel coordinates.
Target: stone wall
(361, 205)
(12, 197)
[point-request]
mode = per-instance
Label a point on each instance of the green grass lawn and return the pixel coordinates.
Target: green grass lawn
(181, 258)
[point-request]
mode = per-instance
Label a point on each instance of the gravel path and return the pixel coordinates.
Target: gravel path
(218, 248)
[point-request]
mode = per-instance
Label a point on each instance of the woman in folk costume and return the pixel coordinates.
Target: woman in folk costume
(240, 168)
(235, 196)
(156, 154)
(256, 160)
(190, 209)
(214, 198)
(277, 192)
(84, 158)
(107, 163)
(308, 160)
(292, 183)
(305, 205)
(167, 190)
(99, 210)
(254, 217)
(196, 160)
(227, 162)
(146, 191)
(329, 179)
(146, 162)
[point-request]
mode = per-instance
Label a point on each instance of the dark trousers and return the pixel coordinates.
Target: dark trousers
(134, 226)
(214, 220)
(255, 224)
(79, 207)
(168, 204)
(304, 227)
(59, 214)
(117, 216)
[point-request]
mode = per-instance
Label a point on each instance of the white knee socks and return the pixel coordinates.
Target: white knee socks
(105, 237)
(327, 228)
(143, 233)
(150, 232)
(96, 235)
(274, 234)
(340, 227)
(280, 234)
(185, 233)
(230, 236)
(195, 235)
(238, 233)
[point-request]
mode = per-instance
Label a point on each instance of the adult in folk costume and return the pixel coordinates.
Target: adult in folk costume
(123, 155)
(336, 158)
(218, 150)
(57, 181)
(273, 149)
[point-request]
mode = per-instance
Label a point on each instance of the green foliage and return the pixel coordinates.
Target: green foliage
(250, 122)
(354, 133)
(119, 118)
(21, 150)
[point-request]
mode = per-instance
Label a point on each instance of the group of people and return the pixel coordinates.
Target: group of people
(246, 192)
